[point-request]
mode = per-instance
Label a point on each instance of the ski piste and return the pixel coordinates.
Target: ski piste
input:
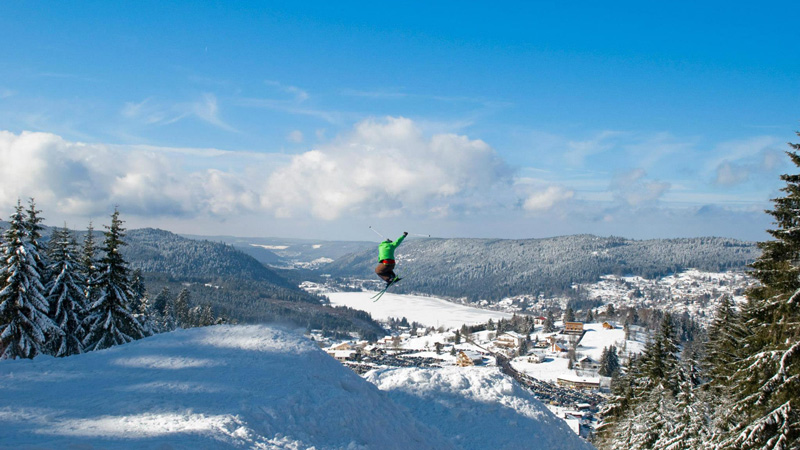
(378, 296)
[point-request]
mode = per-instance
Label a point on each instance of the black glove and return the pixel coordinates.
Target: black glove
(405, 233)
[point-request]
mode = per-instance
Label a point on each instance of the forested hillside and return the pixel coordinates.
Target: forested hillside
(233, 283)
(491, 269)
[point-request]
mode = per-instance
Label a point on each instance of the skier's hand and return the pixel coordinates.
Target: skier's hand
(405, 233)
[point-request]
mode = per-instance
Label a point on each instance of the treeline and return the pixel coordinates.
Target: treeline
(64, 298)
(492, 269)
(741, 388)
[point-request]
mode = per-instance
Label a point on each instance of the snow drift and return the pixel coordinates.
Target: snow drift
(217, 387)
(260, 387)
(477, 408)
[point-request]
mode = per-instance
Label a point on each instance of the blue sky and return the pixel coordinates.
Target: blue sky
(319, 119)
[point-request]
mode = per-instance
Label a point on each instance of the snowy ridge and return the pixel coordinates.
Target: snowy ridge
(477, 408)
(260, 387)
(217, 387)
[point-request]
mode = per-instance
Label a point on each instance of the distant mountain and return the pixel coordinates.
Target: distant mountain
(153, 250)
(284, 252)
(491, 269)
(261, 387)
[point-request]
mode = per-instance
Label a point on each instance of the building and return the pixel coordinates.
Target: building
(608, 326)
(510, 339)
(587, 363)
(573, 327)
(579, 383)
(467, 358)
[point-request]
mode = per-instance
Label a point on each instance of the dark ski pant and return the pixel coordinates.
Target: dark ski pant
(385, 271)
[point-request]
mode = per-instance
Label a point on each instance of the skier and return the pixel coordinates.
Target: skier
(386, 262)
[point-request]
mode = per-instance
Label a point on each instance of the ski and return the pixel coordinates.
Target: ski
(380, 293)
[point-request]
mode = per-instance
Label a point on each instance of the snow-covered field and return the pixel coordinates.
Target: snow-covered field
(477, 408)
(429, 311)
(259, 387)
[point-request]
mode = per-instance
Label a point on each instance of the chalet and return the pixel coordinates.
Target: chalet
(559, 346)
(510, 339)
(536, 358)
(573, 327)
(342, 346)
(608, 326)
(539, 320)
(587, 363)
(467, 358)
(342, 355)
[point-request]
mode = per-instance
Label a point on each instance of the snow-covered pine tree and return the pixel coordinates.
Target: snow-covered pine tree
(766, 383)
(141, 305)
(89, 265)
(164, 310)
(111, 320)
(689, 425)
(66, 293)
(609, 362)
(724, 346)
(182, 309)
(25, 325)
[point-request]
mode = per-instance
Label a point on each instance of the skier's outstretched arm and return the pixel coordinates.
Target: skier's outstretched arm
(400, 239)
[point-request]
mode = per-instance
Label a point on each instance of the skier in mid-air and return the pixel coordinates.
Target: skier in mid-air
(386, 262)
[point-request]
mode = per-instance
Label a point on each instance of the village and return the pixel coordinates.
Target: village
(562, 367)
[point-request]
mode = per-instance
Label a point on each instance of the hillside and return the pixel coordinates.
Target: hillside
(492, 269)
(286, 252)
(255, 387)
(234, 283)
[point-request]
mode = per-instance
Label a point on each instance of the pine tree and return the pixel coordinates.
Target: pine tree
(65, 293)
(766, 383)
(723, 348)
(111, 320)
(25, 325)
(182, 309)
(549, 323)
(164, 310)
(609, 362)
(569, 314)
(89, 265)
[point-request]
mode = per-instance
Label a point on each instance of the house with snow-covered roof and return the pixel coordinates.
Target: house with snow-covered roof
(509, 339)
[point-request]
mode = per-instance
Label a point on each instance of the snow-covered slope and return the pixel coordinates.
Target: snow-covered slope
(218, 387)
(477, 408)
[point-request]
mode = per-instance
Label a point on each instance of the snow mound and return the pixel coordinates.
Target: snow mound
(477, 408)
(256, 387)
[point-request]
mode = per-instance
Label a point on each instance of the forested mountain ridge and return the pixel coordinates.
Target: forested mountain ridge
(154, 250)
(491, 269)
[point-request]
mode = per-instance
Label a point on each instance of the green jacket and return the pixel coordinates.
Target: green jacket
(386, 249)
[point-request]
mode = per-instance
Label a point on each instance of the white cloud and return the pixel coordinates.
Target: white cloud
(151, 112)
(633, 189)
(546, 199)
(729, 174)
(577, 151)
(738, 161)
(381, 168)
(300, 95)
(295, 136)
(87, 179)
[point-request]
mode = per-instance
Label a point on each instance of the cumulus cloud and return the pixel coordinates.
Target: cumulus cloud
(86, 179)
(633, 189)
(740, 160)
(547, 199)
(383, 167)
